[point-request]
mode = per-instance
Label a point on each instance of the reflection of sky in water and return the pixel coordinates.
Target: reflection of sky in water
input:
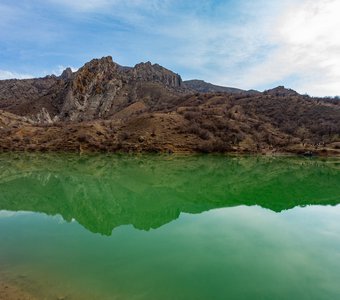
(238, 250)
(323, 219)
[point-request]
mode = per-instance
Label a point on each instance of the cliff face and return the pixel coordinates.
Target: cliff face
(92, 91)
(147, 72)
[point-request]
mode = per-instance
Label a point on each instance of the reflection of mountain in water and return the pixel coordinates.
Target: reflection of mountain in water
(102, 192)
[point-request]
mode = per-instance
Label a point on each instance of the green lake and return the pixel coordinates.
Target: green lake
(170, 226)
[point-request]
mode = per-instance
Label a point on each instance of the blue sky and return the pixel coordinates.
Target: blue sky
(247, 44)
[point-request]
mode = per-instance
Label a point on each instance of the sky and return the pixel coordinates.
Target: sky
(249, 44)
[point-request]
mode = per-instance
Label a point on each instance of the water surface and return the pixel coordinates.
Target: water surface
(170, 227)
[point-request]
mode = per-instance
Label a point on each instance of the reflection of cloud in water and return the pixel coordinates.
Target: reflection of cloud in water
(10, 214)
(13, 214)
(320, 220)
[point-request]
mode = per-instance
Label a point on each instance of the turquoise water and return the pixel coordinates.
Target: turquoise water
(170, 227)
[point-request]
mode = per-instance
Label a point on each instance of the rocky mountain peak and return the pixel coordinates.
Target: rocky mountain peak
(281, 91)
(95, 75)
(101, 65)
(67, 74)
(101, 87)
(156, 73)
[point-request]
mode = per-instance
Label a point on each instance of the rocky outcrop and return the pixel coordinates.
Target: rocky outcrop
(281, 91)
(44, 117)
(92, 90)
(156, 73)
(67, 74)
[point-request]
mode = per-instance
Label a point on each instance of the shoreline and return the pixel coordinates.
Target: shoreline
(293, 153)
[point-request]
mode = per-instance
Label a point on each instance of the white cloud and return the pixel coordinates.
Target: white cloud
(4, 74)
(13, 75)
(307, 49)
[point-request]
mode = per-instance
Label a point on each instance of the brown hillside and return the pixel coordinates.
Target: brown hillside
(107, 107)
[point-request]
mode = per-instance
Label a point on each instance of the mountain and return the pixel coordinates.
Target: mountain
(97, 90)
(201, 86)
(108, 107)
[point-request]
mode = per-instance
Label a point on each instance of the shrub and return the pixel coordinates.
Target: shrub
(190, 115)
(217, 146)
(204, 134)
(82, 138)
(124, 136)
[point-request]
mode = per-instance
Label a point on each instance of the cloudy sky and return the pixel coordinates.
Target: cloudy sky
(241, 43)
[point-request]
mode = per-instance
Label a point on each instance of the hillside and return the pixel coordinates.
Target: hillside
(147, 108)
